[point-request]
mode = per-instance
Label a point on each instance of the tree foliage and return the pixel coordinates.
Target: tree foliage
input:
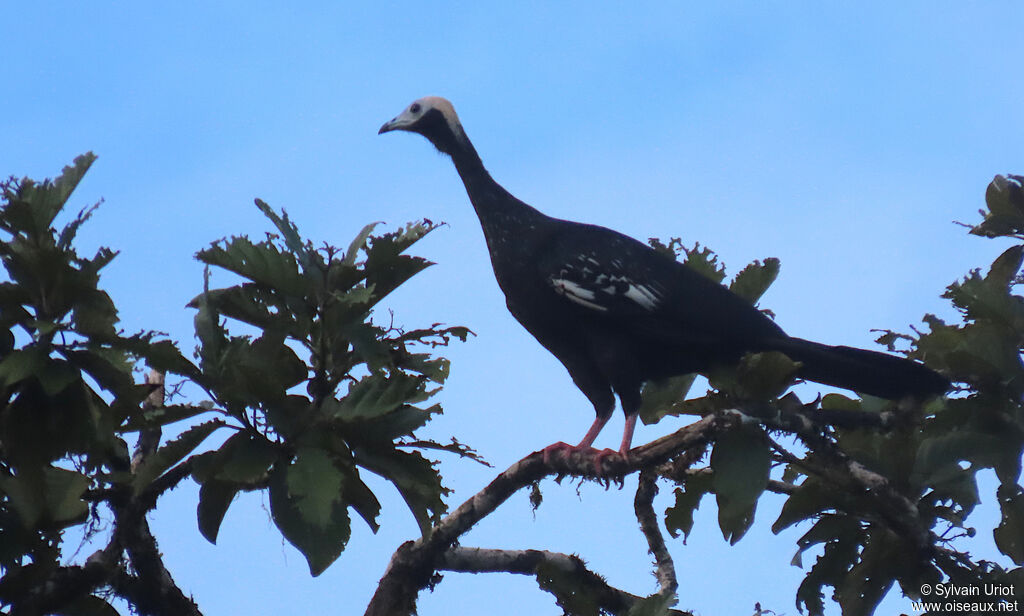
(315, 394)
(303, 393)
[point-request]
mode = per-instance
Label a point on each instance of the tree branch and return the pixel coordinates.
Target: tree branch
(414, 563)
(643, 504)
(526, 562)
(66, 584)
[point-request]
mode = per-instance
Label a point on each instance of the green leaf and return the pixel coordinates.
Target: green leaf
(261, 263)
(171, 453)
(872, 576)
(659, 398)
(358, 243)
(386, 267)
(741, 463)
(414, 477)
(378, 394)
(35, 206)
(307, 506)
(754, 279)
(705, 261)
(21, 364)
(679, 517)
(303, 251)
(261, 307)
(215, 497)
(828, 528)
(1009, 535)
(246, 458)
(47, 498)
(810, 498)
(314, 484)
(763, 376)
(94, 314)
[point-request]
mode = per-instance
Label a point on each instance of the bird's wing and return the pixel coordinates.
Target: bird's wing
(617, 278)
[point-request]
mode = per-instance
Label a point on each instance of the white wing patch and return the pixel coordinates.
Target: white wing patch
(575, 293)
(646, 297)
(599, 290)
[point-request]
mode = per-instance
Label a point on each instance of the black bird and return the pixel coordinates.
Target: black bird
(617, 313)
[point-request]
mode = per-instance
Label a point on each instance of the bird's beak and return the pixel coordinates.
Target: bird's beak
(401, 121)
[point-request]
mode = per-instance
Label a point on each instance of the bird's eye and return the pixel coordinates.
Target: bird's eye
(415, 108)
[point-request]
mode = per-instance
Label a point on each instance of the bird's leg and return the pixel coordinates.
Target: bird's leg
(627, 436)
(588, 440)
(627, 440)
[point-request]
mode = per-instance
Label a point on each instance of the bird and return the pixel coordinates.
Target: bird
(617, 313)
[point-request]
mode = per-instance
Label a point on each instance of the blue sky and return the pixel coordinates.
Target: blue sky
(842, 139)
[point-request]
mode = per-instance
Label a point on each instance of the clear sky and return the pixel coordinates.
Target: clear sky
(842, 139)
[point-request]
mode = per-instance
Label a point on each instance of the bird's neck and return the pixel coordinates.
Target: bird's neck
(506, 221)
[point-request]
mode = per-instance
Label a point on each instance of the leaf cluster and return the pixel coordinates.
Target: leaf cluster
(311, 395)
(322, 392)
(886, 486)
(68, 392)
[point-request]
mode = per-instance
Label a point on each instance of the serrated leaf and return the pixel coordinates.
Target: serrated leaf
(401, 422)
(679, 517)
(809, 499)
(939, 452)
(94, 314)
(762, 376)
(754, 279)
(47, 498)
(246, 458)
(359, 496)
(386, 267)
(215, 496)
(21, 364)
(705, 262)
(307, 506)
(171, 453)
(314, 485)
(658, 398)
(35, 206)
(303, 251)
(1009, 535)
(741, 464)
(379, 394)
(414, 477)
(358, 243)
(261, 307)
(262, 263)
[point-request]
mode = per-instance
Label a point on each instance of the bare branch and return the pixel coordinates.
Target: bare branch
(643, 504)
(414, 563)
(526, 562)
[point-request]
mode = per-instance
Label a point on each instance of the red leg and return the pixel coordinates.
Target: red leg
(627, 435)
(566, 449)
(627, 440)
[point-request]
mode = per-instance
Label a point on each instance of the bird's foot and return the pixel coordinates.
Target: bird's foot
(565, 450)
(560, 449)
(600, 456)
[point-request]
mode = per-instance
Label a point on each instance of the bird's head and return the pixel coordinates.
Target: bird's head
(434, 118)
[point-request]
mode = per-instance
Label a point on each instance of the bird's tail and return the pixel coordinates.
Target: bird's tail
(868, 372)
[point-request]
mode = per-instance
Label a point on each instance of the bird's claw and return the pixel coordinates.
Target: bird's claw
(565, 450)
